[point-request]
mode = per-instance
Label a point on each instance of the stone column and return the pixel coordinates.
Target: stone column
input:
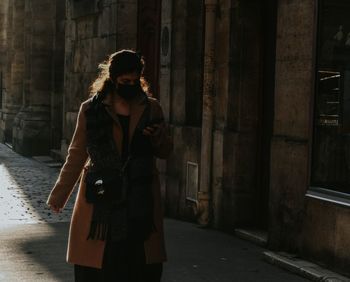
(165, 78)
(204, 195)
(31, 130)
(13, 73)
(165, 58)
(290, 145)
(58, 77)
(4, 10)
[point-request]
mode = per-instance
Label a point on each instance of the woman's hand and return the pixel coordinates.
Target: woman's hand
(55, 208)
(154, 130)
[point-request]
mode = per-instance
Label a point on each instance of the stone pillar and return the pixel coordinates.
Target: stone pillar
(178, 66)
(13, 68)
(165, 58)
(31, 129)
(204, 195)
(291, 129)
(223, 69)
(165, 79)
(58, 75)
(4, 9)
(69, 37)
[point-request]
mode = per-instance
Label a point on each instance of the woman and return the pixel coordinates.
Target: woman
(116, 230)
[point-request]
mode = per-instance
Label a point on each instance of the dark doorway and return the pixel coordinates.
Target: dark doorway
(148, 40)
(266, 112)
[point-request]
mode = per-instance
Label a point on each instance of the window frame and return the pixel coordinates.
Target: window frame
(314, 191)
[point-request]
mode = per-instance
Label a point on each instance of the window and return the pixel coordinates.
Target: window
(331, 144)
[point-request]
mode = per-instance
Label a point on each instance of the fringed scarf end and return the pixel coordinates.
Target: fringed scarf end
(98, 231)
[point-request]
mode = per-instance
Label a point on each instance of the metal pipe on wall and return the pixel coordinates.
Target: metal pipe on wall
(204, 194)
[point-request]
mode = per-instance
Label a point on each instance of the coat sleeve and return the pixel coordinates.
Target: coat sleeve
(74, 163)
(162, 143)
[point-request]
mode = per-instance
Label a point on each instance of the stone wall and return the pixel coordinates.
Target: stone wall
(32, 127)
(237, 89)
(4, 42)
(10, 55)
(49, 52)
(180, 92)
(93, 31)
(291, 133)
(325, 234)
(31, 54)
(58, 76)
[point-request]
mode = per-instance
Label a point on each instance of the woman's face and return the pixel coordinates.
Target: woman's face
(129, 78)
(128, 85)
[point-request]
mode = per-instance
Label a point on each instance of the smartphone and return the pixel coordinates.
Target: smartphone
(154, 122)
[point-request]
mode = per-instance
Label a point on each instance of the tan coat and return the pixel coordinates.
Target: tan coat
(90, 252)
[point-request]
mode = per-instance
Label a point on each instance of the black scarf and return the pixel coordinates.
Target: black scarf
(129, 211)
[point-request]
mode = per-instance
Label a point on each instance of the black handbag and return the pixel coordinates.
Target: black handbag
(103, 186)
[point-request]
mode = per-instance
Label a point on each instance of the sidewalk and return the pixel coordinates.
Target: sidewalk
(36, 252)
(34, 240)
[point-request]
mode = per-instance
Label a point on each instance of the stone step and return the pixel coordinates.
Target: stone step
(48, 160)
(303, 268)
(8, 144)
(255, 236)
(56, 154)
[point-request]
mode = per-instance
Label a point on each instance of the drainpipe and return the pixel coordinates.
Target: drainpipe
(203, 206)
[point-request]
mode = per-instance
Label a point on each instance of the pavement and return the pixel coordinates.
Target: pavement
(34, 240)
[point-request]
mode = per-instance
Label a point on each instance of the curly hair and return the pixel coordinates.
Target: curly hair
(119, 63)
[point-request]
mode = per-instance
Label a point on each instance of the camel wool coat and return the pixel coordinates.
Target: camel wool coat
(90, 252)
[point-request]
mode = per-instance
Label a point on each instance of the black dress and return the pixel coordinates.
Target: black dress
(123, 261)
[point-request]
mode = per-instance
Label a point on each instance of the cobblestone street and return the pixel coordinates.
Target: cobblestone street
(34, 239)
(25, 185)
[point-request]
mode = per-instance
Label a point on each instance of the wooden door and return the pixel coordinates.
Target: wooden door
(148, 40)
(266, 112)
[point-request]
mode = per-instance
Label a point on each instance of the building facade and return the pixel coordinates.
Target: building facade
(255, 92)
(32, 69)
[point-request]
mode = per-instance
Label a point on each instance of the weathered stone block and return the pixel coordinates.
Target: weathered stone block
(342, 238)
(100, 50)
(127, 31)
(288, 185)
(217, 179)
(222, 96)
(177, 170)
(79, 85)
(178, 96)
(83, 8)
(292, 98)
(107, 21)
(87, 27)
(320, 217)
(294, 68)
(164, 96)
(81, 55)
(31, 133)
(292, 47)
(43, 9)
(6, 125)
(296, 18)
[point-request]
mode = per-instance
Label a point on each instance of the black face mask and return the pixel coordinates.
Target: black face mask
(127, 91)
